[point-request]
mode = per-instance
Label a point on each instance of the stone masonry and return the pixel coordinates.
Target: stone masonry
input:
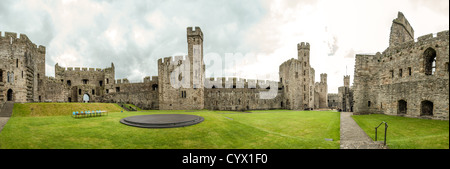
(23, 80)
(410, 78)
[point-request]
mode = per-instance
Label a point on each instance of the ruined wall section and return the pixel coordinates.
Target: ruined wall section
(24, 63)
(404, 76)
(55, 91)
(401, 31)
(241, 95)
(366, 83)
(402, 73)
(143, 95)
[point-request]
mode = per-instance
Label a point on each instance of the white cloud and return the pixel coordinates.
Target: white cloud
(134, 34)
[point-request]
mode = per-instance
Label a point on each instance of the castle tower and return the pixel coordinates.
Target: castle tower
(323, 78)
(347, 81)
(401, 31)
(195, 55)
(303, 53)
(323, 91)
(185, 97)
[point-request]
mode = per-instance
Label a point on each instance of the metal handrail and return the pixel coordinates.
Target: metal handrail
(385, 131)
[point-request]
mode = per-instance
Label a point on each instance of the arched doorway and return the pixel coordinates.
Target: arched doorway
(86, 98)
(402, 107)
(9, 95)
(426, 108)
(429, 56)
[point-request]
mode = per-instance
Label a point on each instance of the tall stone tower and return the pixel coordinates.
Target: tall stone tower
(190, 69)
(195, 55)
(197, 72)
(347, 81)
(308, 81)
(303, 52)
(323, 91)
(323, 78)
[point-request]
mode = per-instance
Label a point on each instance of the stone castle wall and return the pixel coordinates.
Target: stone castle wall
(22, 68)
(241, 94)
(385, 81)
(144, 95)
(296, 89)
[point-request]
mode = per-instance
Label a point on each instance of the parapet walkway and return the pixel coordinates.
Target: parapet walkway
(353, 137)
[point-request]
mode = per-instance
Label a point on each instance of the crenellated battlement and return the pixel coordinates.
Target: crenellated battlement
(323, 78)
(233, 82)
(152, 79)
(194, 32)
(443, 35)
(303, 45)
(172, 59)
(13, 38)
(81, 69)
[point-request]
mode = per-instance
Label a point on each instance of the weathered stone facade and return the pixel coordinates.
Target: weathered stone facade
(297, 80)
(343, 100)
(180, 83)
(409, 78)
(22, 69)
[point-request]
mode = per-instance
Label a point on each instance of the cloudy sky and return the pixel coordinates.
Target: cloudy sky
(135, 34)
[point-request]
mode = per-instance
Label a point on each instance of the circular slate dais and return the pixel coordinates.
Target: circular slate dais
(162, 120)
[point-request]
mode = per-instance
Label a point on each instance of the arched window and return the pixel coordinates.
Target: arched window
(429, 56)
(12, 77)
(1, 75)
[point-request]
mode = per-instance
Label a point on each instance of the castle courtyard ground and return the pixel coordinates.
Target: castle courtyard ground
(266, 129)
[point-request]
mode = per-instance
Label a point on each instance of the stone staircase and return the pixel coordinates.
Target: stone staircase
(6, 110)
(127, 108)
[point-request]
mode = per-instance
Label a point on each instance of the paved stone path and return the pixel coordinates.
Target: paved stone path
(3, 121)
(353, 137)
(5, 113)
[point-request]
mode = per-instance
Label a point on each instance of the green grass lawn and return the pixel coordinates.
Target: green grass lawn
(59, 109)
(407, 133)
(272, 129)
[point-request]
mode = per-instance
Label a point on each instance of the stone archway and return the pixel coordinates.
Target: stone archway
(426, 108)
(10, 95)
(429, 56)
(402, 107)
(86, 98)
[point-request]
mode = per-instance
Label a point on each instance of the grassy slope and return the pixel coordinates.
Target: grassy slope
(277, 129)
(407, 133)
(59, 109)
